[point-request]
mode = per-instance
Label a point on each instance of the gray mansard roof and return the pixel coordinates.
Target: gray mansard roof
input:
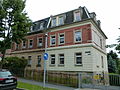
(44, 24)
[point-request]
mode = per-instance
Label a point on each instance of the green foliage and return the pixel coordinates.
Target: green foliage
(15, 64)
(112, 62)
(14, 23)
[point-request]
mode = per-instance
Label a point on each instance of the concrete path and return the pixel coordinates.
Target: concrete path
(59, 87)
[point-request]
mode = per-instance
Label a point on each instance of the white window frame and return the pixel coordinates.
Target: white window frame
(61, 37)
(51, 59)
(51, 38)
(54, 24)
(24, 44)
(39, 57)
(29, 43)
(41, 26)
(59, 23)
(39, 44)
(102, 61)
(75, 18)
(78, 57)
(29, 60)
(60, 58)
(75, 35)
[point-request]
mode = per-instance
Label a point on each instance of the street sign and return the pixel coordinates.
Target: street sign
(45, 56)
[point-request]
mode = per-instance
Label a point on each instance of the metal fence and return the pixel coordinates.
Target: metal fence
(77, 80)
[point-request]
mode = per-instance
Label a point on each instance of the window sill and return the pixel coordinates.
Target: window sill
(78, 64)
(52, 65)
(61, 65)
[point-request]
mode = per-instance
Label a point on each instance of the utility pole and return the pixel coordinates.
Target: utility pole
(45, 54)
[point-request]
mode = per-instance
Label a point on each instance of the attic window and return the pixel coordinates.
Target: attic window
(53, 22)
(41, 25)
(77, 16)
(61, 20)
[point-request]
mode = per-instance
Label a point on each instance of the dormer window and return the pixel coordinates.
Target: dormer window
(41, 26)
(77, 16)
(53, 22)
(61, 20)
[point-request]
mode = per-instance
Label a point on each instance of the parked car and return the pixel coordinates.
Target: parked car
(7, 80)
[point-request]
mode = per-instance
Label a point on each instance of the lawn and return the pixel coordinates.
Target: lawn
(32, 87)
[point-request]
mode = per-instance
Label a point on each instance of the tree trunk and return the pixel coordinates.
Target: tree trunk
(3, 56)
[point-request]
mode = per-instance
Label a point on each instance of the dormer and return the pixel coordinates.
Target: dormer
(77, 15)
(58, 20)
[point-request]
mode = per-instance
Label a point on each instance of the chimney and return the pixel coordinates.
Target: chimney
(99, 23)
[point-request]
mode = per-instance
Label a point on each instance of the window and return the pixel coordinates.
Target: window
(61, 38)
(78, 58)
(53, 22)
(61, 59)
(41, 25)
(102, 61)
(52, 59)
(30, 43)
(101, 43)
(78, 36)
(53, 40)
(23, 57)
(61, 20)
(17, 46)
(29, 60)
(24, 44)
(39, 60)
(39, 42)
(77, 16)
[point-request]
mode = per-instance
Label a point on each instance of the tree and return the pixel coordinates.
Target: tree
(111, 65)
(15, 64)
(14, 24)
(112, 62)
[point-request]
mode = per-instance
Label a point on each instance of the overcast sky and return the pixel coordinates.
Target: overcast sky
(107, 11)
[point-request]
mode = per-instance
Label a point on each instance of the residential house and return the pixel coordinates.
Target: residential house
(76, 43)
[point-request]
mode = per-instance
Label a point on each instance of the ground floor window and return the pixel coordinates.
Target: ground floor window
(52, 59)
(61, 59)
(78, 58)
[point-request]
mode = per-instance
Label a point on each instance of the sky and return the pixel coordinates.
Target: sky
(107, 11)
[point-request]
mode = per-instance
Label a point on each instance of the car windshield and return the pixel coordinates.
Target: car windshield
(5, 74)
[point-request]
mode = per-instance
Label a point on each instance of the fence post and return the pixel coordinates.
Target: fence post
(79, 80)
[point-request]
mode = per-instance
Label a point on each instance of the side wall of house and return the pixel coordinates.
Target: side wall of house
(69, 59)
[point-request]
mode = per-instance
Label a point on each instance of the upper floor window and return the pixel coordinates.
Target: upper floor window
(78, 58)
(53, 22)
(100, 42)
(77, 16)
(40, 42)
(61, 38)
(61, 20)
(24, 44)
(78, 36)
(30, 43)
(52, 59)
(61, 59)
(53, 40)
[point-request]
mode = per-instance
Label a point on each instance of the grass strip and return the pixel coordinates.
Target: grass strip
(28, 86)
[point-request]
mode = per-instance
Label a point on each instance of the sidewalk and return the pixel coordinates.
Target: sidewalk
(59, 87)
